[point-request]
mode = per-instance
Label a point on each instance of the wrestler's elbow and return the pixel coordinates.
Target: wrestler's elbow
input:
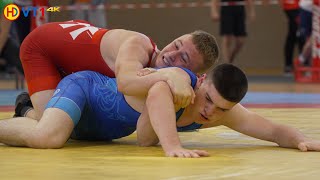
(160, 87)
(123, 85)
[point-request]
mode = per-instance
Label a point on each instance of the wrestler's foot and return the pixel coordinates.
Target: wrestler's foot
(22, 105)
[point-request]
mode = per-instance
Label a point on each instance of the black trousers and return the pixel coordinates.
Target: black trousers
(22, 27)
(10, 53)
(292, 39)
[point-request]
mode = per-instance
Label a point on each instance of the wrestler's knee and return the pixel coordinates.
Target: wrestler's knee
(52, 131)
(41, 139)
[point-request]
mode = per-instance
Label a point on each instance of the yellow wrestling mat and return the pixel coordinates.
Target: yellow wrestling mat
(233, 156)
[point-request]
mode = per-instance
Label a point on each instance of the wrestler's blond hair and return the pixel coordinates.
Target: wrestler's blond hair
(208, 47)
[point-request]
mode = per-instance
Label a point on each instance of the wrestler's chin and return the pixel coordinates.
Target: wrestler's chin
(161, 65)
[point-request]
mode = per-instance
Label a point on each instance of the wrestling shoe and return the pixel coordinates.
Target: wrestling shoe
(22, 105)
(299, 62)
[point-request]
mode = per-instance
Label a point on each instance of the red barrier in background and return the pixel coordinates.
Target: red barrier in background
(312, 74)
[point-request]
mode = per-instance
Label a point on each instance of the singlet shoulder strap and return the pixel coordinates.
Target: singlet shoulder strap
(154, 52)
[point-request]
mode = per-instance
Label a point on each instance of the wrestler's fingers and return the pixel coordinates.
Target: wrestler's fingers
(309, 146)
(189, 97)
(194, 155)
(146, 71)
(201, 152)
(187, 155)
(193, 96)
(302, 147)
(178, 100)
(179, 154)
(186, 101)
(142, 72)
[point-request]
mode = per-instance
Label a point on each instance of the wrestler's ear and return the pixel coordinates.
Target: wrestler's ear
(201, 79)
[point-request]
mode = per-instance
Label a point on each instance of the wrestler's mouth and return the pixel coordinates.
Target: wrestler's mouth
(204, 117)
(166, 62)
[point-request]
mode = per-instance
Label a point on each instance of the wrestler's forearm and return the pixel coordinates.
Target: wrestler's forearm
(288, 137)
(145, 133)
(162, 116)
(134, 85)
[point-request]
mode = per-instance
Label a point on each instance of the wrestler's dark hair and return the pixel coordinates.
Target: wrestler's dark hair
(208, 47)
(230, 82)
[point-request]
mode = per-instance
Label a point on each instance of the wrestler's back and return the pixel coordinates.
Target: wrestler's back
(74, 46)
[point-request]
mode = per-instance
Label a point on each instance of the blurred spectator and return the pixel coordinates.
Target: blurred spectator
(232, 19)
(291, 9)
(39, 19)
(305, 19)
(22, 25)
(306, 55)
(305, 30)
(95, 16)
(9, 48)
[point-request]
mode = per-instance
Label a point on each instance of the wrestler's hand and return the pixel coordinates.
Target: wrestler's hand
(252, 16)
(146, 71)
(309, 145)
(180, 85)
(186, 153)
(182, 92)
(215, 16)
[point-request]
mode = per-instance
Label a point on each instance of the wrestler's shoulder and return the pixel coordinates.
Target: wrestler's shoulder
(128, 36)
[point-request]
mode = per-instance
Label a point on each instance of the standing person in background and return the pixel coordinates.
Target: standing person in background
(22, 26)
(95, 16)
(39, 19)
(291, 9)
(232, 19)
(305, 29)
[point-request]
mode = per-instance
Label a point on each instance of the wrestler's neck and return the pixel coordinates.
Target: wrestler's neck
(187, 117)
(154, 57)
